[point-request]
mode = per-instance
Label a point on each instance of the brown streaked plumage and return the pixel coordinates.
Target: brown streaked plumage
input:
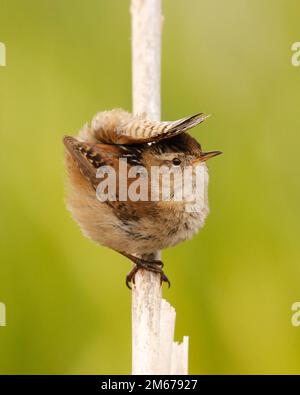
(136, 229)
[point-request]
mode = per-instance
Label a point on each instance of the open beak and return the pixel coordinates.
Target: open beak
(207, 155)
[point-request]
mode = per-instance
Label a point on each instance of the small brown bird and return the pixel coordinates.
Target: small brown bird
(136, 229)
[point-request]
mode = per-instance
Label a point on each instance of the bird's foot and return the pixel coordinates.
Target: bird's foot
(154, 266)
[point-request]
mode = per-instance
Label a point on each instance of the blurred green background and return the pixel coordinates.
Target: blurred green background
(68, 310)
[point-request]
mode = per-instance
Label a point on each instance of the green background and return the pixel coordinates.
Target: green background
(68, 310)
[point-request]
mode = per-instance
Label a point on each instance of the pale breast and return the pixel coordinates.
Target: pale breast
(176, 222)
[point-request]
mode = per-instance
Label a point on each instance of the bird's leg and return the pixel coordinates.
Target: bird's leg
(154, 266)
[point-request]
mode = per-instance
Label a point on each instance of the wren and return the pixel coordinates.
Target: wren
(135, 228)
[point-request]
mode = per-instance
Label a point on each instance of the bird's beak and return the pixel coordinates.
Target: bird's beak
(207, 155)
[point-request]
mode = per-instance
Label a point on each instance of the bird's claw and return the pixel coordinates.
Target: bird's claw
(151, 266)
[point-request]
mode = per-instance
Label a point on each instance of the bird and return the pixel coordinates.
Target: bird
(134, 228)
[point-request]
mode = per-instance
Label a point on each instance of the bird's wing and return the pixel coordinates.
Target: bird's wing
(90, 156)
(139, 130)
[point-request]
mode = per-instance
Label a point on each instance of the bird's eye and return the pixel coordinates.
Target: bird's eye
(176, 162)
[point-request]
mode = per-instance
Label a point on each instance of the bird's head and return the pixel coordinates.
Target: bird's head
(178, 152)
